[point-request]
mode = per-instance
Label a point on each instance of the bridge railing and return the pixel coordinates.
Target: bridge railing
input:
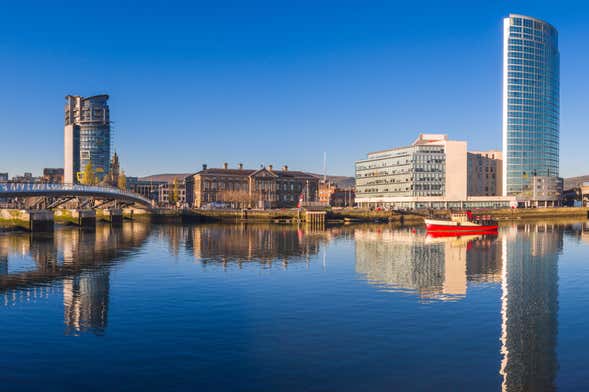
(16, 187)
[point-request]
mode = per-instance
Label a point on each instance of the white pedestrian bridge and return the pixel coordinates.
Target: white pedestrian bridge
(25, 190)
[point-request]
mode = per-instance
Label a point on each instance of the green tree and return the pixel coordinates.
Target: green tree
(122, 181)
(174, 195)
(89, 175)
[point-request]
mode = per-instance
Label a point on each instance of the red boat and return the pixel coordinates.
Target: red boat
(462, 223)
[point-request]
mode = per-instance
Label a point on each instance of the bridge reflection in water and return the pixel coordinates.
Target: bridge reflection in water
(75, 263)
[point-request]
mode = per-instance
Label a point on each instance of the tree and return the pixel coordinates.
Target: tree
(89, 175)
(173, 196)
(122, 181)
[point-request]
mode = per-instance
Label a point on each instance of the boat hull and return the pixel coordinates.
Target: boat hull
(458, 227)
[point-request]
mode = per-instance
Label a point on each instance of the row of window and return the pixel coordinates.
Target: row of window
(240, 186)
(529, 102)
(539, 89)
(540, 123)
(518, 21)
(525, 42)
(530, 113)
(532, 63)
(546, 85)
(422, 169)
(541, 76)
(404, 166)
(526, 56)
(527, 68)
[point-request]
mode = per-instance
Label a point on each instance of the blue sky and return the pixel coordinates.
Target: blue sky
(271, 82)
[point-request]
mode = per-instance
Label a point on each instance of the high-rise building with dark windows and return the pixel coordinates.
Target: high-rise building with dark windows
(86, 136)
(531, 74)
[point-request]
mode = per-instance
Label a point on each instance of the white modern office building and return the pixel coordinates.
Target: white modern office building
(531, 74)
(432, 172)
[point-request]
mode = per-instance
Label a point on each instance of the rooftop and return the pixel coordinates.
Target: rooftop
(249, 172)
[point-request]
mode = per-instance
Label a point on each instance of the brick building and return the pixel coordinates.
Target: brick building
(335, 196)
(242, 188)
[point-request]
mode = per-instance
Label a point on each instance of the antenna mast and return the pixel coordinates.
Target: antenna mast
(324, 167)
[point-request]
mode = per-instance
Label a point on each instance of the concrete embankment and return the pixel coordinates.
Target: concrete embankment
(535, 213)
(16, 219)
(44, 220)
(277, 216)
(358, 215)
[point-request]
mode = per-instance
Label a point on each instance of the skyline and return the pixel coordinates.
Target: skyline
(208, 92)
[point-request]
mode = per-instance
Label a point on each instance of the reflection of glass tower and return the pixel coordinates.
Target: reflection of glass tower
(530, 102)
(85, 300)
(530, 308)
(80, 259)
(87, 136)
(3, 264)
(3, 256)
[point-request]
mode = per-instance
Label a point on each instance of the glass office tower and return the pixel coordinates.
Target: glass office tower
(530, 103)
(87, 136)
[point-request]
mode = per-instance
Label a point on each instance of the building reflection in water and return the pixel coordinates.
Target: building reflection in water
(265, 244)
(3, 263)
(85, 300)
(75, 262)
(523, 259)
(522, 262)
(434, 268)
(529, 307)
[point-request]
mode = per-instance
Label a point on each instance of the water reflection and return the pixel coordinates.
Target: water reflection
(242, 243)
(72, 261)
(520, 266)
(523, 259)
(529, 307)
(434, 268)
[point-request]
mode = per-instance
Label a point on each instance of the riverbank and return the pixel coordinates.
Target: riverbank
(366, 216)
(10, 219)
(354, 215)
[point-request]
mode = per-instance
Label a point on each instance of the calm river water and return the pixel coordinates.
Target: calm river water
(273, 308)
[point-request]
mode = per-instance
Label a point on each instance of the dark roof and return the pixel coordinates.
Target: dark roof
(248, 172)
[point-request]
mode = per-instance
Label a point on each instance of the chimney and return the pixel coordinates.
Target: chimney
(225, 165)
(241, 166)
(204, 166)
(270, 167)
(285, 168)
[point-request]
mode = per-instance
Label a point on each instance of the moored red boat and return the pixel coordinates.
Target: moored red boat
(462, 223)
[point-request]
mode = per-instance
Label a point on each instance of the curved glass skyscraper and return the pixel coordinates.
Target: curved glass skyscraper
(531, 77)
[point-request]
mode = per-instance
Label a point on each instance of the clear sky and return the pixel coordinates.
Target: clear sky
(271, 82)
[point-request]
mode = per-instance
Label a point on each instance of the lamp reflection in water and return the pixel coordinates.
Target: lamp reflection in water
(73, 261)
(529, 307)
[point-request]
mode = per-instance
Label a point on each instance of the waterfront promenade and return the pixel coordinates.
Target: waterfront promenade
(10, 219)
